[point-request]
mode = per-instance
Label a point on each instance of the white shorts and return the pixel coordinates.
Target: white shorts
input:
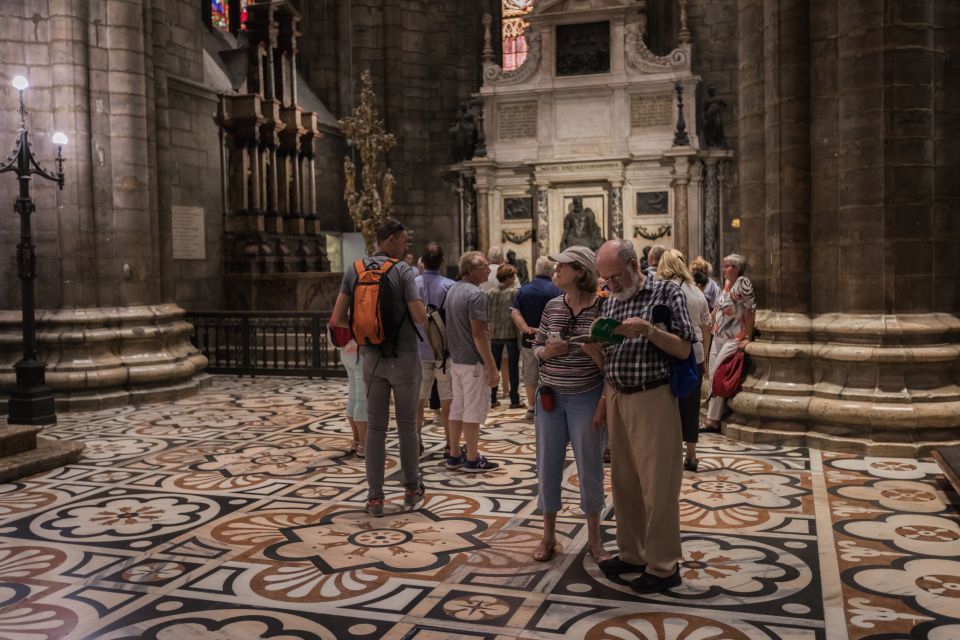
(430, 371)
(471, 395)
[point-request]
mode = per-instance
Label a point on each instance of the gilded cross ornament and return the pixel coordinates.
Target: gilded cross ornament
(364, 131)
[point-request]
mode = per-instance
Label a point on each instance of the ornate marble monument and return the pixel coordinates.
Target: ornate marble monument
(585, 129)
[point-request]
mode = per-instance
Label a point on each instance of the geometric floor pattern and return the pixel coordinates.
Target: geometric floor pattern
(237, 514)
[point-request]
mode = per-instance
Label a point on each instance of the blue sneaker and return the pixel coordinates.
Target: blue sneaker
(455, 462)
(480, 465)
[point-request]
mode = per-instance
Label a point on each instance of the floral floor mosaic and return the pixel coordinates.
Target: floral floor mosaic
(237, 514)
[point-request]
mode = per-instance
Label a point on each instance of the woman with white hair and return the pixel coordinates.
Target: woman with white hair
(732, 321)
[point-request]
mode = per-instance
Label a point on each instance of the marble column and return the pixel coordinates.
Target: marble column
(543, 221)
(681, 209)
(711, 212)
(483, 219)
(858, 349)
(751, 140)
(468, 212)
(616, 209)
(107, 326)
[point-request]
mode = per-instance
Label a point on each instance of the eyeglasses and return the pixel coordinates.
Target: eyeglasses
(615, 278)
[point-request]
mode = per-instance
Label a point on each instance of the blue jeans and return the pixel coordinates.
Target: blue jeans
(357, 389)
(513, 361)
(570, 421)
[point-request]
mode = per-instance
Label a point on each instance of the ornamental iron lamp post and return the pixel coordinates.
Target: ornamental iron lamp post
(31, 402)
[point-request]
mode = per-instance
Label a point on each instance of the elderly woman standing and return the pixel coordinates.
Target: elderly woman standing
(732, 320)
(571, 383)
(672, 268)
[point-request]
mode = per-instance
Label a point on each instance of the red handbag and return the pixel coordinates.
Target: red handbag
(729, 375)
(339, 336)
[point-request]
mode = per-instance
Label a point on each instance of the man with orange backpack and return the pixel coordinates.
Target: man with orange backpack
(380, 304)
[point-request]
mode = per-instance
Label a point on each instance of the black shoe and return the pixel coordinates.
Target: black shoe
(649, 583)
(616, 566)
(494, 404)
(517, 405)
(691, 465)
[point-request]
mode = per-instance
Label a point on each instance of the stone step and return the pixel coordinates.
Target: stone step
(48, 454)
(17, 438)
(949, 460)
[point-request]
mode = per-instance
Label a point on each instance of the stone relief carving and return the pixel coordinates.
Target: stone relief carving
(543, 221)
(640, 59)
(661, 231)
(616, 212)
(516, 238)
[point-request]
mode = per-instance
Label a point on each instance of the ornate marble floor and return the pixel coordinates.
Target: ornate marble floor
(236, 514)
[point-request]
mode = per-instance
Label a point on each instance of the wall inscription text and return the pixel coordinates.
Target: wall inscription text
(651, 111)
(517, 120)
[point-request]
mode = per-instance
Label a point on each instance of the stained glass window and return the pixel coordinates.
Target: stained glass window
(219, 14)
(513, 27)
(244, 13)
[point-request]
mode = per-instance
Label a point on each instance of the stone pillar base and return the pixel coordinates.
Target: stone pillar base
(868, 384)
(108, 356)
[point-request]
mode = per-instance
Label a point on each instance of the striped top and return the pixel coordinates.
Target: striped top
(574, 372)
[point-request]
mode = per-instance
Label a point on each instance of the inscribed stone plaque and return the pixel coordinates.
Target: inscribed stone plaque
(188, 237)
(651, 111)
(517, 120)
(583, 48)
(517, 208)
(653, 203)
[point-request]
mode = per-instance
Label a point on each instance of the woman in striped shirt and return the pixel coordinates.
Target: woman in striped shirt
(571, 382)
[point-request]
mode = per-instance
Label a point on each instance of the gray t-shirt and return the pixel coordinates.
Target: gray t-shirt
(403, 284)
(465, 302)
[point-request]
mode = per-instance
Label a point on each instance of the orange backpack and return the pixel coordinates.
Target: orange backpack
(371, 317)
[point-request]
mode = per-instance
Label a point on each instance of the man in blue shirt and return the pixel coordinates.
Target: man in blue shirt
(526, 310)
(433, 291)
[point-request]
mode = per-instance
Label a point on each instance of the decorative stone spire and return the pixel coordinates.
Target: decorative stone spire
(364, 131)
(684, 34)
(680, 136)
(487, 56)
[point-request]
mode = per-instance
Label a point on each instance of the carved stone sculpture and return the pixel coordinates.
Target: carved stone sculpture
(523, 274)
(713, 119)
(580, 227)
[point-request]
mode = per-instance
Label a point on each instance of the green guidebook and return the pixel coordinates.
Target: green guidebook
(601, 330)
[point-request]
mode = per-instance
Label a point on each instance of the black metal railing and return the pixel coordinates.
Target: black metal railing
(280, 343)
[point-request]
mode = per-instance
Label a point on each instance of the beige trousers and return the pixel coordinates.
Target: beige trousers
(646, 451)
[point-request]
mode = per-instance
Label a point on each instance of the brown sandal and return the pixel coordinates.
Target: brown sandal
(545, 554)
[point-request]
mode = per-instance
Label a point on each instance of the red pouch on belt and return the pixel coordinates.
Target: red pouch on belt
(547, 400)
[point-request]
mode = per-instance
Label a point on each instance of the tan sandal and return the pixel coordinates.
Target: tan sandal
(599, 555)
(542, 553)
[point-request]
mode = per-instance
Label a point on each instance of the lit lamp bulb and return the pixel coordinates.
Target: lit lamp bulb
(735, 223)
(20, 83)
(59, 138)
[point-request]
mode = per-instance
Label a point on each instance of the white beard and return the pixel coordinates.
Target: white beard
(625, 294)
(628, 292)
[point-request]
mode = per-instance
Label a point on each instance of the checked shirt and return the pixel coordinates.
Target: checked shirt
(638, 361)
